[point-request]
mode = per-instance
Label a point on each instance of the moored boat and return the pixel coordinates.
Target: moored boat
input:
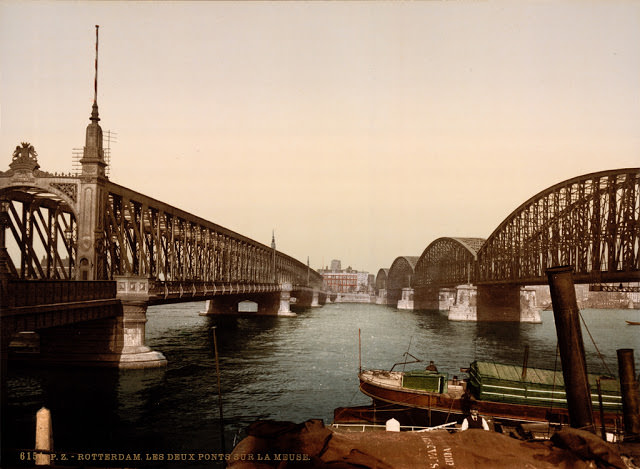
(505, 394)
(633, 323)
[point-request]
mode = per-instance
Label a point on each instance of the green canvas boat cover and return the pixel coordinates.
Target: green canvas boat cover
(425, 380)
(498, 382)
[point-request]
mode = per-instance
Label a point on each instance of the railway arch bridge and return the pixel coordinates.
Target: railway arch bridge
(591, 222)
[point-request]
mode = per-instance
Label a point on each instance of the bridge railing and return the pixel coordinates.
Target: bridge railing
(43, 292)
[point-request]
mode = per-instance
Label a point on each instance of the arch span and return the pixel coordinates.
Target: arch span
(590, 222)
(400, 276)
(381, 279)
(447, 262)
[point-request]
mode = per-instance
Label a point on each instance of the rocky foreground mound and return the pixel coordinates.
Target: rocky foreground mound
(309, 445)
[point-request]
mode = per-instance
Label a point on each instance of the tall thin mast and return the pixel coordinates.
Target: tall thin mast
(95, 80)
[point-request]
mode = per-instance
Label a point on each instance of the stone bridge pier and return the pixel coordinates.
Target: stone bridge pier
(464, 307)
(117, 341)
(507, 303)
(426, 298)
(275, 303)
(434, 298)
(406, 299)
(307, 297)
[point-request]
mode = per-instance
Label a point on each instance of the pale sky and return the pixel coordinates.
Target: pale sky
(359, 131)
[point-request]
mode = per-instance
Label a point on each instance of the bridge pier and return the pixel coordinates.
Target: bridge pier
(133, 293)
(465, 305)
(285, 300)
(426, 298)
(89, 334)
(258, 303)
(434, 298)
(305, 297)
(507, 303)
(381, 297)
(406, 299)
(447, 298)
(529, 310)
(113, 342)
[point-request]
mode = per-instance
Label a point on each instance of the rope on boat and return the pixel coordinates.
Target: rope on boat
(553, 388)
(449, 413)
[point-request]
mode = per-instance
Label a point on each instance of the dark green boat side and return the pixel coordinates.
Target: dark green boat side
(497, 382)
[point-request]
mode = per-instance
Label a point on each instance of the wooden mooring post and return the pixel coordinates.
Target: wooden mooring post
(44, 437)
(630, 394)
(574, 365)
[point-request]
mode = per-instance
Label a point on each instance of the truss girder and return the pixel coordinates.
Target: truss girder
(401, 272)
(381, 279)
(591, 222)
(447, 262)
(39, 236)
(143, 236)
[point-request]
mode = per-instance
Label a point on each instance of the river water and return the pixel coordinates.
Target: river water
(282, 368)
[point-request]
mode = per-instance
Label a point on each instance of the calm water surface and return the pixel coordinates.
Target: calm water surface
(271, 368)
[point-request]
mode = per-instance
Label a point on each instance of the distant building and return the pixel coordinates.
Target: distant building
(340, 282)
(344, 281)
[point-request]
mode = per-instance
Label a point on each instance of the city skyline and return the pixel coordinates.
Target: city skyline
(359, 131)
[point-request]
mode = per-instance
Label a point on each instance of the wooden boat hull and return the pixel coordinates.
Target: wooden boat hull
(443, 408)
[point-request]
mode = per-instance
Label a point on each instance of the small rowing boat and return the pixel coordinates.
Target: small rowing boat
(633, 323)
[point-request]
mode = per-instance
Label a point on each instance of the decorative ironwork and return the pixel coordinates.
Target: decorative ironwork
(24, 158)
(68, 189)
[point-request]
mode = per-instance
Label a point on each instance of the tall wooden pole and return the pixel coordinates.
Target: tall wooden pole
(630, 397)
(215, 351)
(574, 365)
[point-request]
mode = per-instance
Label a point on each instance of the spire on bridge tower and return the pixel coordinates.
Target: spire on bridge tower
(92, 161)
(273, 254)
(90, 211)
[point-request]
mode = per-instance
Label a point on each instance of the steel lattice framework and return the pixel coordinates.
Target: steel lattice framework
(399, 276)
(40, 224)
(381, 279)
(447, 262)
(590, 222)
(135, 235)
(143, 236)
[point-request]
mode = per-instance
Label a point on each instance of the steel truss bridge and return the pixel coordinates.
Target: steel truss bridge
(129, 234)
(591, 222)
(63, 236)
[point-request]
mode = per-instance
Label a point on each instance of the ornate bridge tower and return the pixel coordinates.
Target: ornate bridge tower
(91, 203)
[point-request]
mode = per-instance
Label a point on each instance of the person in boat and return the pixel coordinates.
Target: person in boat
(431, 367)
(473, 420)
